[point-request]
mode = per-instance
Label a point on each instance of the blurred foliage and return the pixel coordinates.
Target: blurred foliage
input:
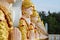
(53, 20)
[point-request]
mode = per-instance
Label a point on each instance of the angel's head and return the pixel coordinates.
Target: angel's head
(27, 7)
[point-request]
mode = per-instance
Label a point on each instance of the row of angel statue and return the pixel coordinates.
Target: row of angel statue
(30, 26)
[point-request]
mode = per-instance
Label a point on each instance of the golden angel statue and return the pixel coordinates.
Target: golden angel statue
(30, 16)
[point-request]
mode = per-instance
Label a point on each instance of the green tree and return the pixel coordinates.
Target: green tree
(53, 20)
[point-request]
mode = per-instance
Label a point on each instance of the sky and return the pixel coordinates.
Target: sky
(46, 5)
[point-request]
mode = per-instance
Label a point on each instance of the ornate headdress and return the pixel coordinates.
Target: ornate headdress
(27, 4)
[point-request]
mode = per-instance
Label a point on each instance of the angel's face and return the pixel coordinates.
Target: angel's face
(28, 11)
(1, 15)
